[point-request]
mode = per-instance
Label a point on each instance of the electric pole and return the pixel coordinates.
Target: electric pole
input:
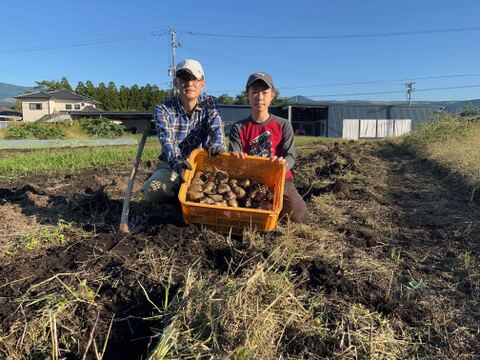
(410, 89)
(174, 44)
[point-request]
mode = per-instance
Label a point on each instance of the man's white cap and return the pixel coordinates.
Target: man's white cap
(191, 66)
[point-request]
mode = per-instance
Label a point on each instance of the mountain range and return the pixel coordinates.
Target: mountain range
(8, 91)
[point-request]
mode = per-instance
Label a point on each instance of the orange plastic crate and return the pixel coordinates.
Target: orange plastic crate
(228, 219)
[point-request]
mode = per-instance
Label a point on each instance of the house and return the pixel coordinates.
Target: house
(47, 104)
(7, 115)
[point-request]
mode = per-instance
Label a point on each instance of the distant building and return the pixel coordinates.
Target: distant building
(348, 121)
(48, 104)
(7, 114)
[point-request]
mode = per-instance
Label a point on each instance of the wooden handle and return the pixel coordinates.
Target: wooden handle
(123, 228)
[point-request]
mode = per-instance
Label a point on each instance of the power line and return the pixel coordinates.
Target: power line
(396, 92)
(360, 82)
(83, 43)
(337, 36)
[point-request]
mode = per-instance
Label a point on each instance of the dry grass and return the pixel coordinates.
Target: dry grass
(453, 143)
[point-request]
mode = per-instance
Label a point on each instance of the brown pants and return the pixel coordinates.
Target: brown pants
(293, 205)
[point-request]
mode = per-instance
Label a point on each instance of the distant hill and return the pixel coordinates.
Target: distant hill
(8, 91)
(450, 106)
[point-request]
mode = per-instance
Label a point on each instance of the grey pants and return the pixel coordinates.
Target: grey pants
(162, 186)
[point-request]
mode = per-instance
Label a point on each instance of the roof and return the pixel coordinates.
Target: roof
(7, 111)
(56, 94)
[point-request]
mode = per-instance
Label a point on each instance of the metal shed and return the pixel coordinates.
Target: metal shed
(375, 121)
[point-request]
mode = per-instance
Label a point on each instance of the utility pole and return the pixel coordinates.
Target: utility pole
(410, 89)
(172, 68)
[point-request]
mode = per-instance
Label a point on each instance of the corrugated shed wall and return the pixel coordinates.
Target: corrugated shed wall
(233, 113)
(336, 114)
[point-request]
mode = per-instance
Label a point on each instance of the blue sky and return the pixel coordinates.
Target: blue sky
(45, 40)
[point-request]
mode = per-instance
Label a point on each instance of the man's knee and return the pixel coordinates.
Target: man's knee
(161, 186)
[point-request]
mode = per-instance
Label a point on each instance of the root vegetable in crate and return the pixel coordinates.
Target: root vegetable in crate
(216, 188)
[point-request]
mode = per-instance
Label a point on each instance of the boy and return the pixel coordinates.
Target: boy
(264, 134)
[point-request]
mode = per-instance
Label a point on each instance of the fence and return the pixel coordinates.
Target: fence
(4, 124)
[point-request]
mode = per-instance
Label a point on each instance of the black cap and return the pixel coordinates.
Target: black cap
(263, 76)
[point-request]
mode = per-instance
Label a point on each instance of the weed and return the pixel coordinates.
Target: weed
(102, 127)
(45, 235)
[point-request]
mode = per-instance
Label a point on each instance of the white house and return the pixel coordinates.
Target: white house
(39, 104)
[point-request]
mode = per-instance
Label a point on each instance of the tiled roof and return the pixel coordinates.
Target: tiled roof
(56, 94)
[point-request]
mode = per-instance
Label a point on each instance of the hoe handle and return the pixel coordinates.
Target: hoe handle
(128, 193)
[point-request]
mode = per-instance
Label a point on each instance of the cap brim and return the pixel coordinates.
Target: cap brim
(262, 80)
(198, 77)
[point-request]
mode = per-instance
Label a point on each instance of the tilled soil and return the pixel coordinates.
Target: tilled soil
(409, 252)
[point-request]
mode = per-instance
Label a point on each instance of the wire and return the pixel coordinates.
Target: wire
(394, 92)
(83, 43)
(346, 36)
(359, 82)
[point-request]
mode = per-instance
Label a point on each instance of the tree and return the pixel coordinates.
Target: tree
(241, 99)
(225, 99)
(64, 84)
(81, 89)
(469, 110)
(49, 85)
(44, 84)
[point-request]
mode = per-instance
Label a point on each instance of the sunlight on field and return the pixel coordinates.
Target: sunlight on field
(451, 142)
(16, 164)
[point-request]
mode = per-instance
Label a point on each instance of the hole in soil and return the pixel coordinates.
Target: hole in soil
(298, 343)
(220, 258)
(131, 336)
(331, 279)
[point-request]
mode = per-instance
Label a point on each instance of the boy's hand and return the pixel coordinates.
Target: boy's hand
(278, 159)
(238, 154)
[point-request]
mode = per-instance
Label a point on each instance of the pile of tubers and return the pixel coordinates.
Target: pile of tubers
(216, 188)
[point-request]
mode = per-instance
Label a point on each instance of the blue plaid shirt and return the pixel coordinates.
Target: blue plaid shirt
(180, 133)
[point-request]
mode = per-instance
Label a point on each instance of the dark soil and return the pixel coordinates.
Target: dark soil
(427, 211)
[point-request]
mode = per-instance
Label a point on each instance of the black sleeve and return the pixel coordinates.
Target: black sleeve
(234, 137)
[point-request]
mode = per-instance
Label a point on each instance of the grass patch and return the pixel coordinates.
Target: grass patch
(451, 142)
(17, 164)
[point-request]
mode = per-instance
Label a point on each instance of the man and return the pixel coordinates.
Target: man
(264, 134)
(184, 123)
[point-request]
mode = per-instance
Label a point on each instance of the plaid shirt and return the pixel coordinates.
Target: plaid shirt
(180, 133)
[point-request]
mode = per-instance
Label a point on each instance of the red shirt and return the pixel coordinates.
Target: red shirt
(273, 137)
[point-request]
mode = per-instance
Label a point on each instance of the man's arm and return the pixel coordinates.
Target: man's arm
(288, 146)
(167, 133)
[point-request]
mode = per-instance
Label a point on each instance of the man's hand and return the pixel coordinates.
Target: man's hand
(214, 151)
(238, 154)
(278, 159)
(184, 167)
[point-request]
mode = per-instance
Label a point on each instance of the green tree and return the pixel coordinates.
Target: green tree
(81, 89)
(49, 85)
(469, 110)
(226, 99)
(64, 84)
(241, 99)
(44, 84)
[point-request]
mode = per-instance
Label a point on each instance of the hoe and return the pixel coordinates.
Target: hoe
(124, 228)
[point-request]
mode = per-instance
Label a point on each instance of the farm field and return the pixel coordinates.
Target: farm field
(388, 268)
